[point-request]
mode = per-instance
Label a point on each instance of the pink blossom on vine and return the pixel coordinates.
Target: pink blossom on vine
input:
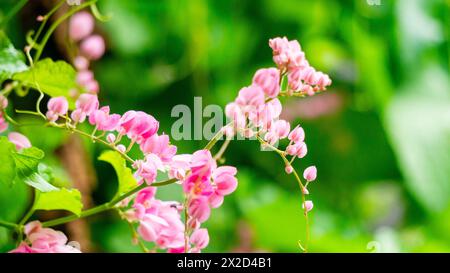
(179, 166)
(160, 222)
(250, 97)
(44, 240)
(81, 25)
(199, 238)
(138, 125)
(160, 146)
(103, 120)
(84, 77)
(297, 135)
(81, 63)
(111, 138)
(225, 180)
(121, 148)
(310, 173)
(19, 140)
(288, 169)
(269, 80)
(57, 107)
(87, 103)
(148, 169)
(93, 47)
(199, 209)
(308, 205)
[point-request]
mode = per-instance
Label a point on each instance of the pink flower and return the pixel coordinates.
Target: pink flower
(199, 209)
(111, 138)
(78, 116)
(310, 173)
(215, 200)
(81, 63)
(150, 226)
(87, 103)
(23, 248)
(148, 169)
(3, 123)
(200, 238)
(179, 166)
(93, 47)
(103, 120)
(145, 196)
(269, 80)
(44, 240)
(57, 107)
(84, 77)
(250, 98)
(19, 140)
(294, 79)
(3, 102)
(92, 87)
(81, 25)
(225, 180)
(138, 126)
(289, 169)
(281, 128)
(297, 135)
(308, 205)
(202, 163)
(160, 146)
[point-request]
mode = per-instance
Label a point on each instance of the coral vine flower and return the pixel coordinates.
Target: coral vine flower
(138, 125)
(44, 240)
(93, 47)
(310, 173)
(19, 140)
(57, 106)
(103, 120)
(269, 80)
(81, 25)
(200, 238)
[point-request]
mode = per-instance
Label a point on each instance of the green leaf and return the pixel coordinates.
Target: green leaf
(11, 60)
(27, 163)
(7, 165)
(60, 199)
(126, 179)
(53, 78)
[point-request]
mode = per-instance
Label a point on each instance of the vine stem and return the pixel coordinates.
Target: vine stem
(57, 23)
(106, 206)
(8, 225)
(282, 154)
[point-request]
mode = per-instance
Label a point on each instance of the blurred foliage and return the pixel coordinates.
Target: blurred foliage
(382, 152)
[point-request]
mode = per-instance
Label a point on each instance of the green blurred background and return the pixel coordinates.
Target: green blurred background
(380, 137)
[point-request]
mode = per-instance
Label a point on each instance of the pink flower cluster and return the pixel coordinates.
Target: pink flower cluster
(91, 48)
(159, 222)
(256, 109)
(44, 240)
(290, 59)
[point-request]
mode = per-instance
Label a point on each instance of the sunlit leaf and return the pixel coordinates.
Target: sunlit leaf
(60, 199)
(124, 174)
(53, 78)
(11, 60)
